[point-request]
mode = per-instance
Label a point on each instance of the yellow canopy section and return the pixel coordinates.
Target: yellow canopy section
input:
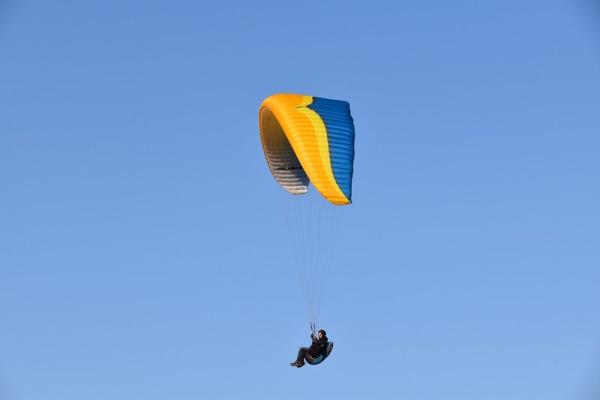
(295, 142)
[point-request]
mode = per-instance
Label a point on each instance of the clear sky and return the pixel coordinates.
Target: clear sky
(141, 254)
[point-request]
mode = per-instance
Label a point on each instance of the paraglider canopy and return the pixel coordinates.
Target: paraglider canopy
(308, 138)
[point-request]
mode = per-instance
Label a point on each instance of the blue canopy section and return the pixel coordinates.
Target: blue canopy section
(340, 135)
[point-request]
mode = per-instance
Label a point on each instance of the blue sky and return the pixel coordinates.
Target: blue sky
(141, 253)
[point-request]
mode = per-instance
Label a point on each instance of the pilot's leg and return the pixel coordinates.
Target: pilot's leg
(300, 359)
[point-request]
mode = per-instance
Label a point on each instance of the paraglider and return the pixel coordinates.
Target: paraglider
(318, 351)
(306, 140)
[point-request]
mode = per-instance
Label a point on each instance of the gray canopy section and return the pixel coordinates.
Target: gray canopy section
(282, 160)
